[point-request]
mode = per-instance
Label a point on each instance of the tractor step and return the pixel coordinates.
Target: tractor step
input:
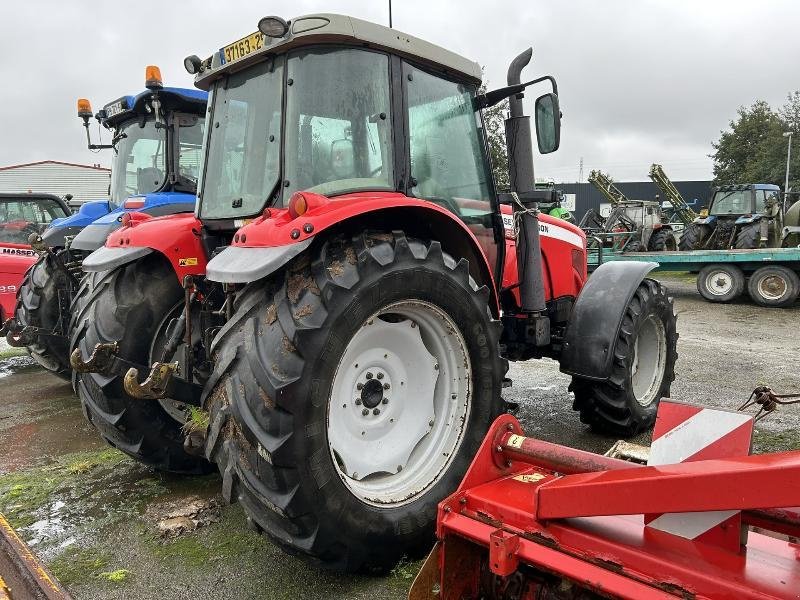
(22, 576)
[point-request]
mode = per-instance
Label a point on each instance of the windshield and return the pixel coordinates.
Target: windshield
(243, 152)
(190, 130)
(139, 160)
(737, 202)
(21, 217)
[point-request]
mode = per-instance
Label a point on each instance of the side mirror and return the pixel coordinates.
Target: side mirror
(548, 123)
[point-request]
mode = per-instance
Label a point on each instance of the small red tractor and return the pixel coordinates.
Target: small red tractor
(350, 290)
(702, 520)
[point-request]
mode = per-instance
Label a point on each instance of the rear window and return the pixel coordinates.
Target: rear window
(21, 217)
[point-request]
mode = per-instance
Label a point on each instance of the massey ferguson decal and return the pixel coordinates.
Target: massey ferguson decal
(17, 251)
(549, 230)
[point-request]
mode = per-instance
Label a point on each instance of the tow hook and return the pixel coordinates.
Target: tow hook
(17, 336)
(100, 360)
(8, 326)
(155, 386)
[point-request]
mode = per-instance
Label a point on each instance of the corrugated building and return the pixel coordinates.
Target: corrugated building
(84, 182)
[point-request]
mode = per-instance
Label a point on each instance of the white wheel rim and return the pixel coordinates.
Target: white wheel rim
(408, 362)
(649, 359)
(772, 287)
(719, 283)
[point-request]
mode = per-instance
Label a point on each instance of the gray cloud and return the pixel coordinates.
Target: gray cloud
(640, 81)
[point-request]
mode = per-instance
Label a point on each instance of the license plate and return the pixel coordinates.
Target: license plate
(241, 48)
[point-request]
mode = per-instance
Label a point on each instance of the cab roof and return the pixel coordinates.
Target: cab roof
(770, 187)
(332, 28)
(182, 99)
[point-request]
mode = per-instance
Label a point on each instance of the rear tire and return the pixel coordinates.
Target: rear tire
(643, 367)
(38, 305)
(694, 236)
(774, 286)
(127, 305)
(284, 401)
(663, 240)
(748, 237)
(721, 282)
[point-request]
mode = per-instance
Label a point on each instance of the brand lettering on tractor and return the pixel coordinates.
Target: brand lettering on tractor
(8, 289)
(549, 230)
(18, 251)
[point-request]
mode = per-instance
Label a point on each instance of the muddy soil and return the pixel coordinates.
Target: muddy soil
(106, 525)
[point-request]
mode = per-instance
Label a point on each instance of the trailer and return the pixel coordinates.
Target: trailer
(770, 275)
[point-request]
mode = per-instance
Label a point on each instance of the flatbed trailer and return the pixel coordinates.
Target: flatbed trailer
(770, 275)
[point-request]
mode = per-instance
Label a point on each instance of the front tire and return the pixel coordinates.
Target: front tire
(643, 367)
(127, 305)
(379, 323)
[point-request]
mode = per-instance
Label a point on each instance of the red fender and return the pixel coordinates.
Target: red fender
(177, 237)
(15, 260)
(283, 226)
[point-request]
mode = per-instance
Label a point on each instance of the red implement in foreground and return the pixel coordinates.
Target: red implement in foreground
(536, 520)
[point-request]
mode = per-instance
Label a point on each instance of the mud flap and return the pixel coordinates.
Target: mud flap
(597, 316)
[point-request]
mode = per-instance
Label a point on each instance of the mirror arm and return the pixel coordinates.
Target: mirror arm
(496, 96)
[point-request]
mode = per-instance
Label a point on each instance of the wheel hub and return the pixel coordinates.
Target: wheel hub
(772, 287)
(372, 394)
(720, 283)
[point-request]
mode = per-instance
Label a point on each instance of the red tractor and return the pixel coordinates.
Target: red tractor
(351, 288)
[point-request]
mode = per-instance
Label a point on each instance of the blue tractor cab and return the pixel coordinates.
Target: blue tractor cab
(156, 140)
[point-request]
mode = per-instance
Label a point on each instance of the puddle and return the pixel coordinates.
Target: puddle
(14, 364)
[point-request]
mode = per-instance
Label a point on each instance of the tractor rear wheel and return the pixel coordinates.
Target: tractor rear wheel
(643, 367)
(662, 240)
(350, 394)
(694, 236)
(129, 305)
(43, 290)
(748, 237)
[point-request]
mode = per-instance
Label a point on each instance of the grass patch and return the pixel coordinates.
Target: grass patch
(404, 572)
(776, 441)
(78, 565)
(198, 418)
(13, 353)
(117, 576)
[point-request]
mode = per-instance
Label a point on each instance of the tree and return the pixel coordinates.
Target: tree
(494, 120)
(753, 150)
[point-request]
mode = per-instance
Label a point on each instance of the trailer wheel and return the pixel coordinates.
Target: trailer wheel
(350, 395)
(39, 305)
(748, 237)
(694, 236)
(774, 286)
(643, 367)
(127, 305)
(663, 240)
(720, 283)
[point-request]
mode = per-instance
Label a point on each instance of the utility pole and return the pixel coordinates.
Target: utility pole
(390, 14)
(580, 171)
(788, 159)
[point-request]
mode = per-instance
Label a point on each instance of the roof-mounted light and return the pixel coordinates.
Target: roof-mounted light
(84, 108)
(152, 78)
(192, 64)
(273, 27)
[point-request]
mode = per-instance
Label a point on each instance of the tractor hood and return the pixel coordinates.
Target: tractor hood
(94, 235)
(59, 229)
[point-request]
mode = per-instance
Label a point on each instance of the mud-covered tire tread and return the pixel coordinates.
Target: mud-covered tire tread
(693, 236)
(272, 454)
(748, 237)
(662, 240)
(126, 305)
(38, 305)
(610, 406)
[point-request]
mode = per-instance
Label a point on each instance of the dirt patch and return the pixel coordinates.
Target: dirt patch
(350, 254)
(288, 347)
(299, 282)
(303, 311)
(336, 268)
(177, 517)
(272, 314)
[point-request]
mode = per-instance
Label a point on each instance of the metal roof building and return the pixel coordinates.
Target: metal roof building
(84, 182)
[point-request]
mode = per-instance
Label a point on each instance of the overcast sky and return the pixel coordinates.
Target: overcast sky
(639, 81)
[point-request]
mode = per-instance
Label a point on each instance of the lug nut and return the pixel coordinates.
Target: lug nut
(430, 423)
(436, 367)
(369, 375)
(360, 386)
(358, 401)
(365, 412)
(380, 375)
(399, 468)
(386, 386)
(385, 401)
(376, 411)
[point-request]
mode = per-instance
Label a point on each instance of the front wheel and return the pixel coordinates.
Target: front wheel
(643, 367)
(355, 397)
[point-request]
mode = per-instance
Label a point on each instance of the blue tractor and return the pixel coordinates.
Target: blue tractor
(742, 217)
(156, 139)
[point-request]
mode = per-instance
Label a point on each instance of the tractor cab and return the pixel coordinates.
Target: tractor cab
(744, 200)
(329, 109)
(156, 139)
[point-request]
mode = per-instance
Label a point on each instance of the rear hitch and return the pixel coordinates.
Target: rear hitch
(100, 361)
(17, 336)
(155, 386)
(8, 326)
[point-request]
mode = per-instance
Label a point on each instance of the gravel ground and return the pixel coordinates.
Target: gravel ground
(93, 515)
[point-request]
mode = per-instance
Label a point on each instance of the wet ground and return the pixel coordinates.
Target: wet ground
(109, 528)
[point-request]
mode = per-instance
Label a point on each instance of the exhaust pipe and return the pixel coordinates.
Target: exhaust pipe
(521, 176)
